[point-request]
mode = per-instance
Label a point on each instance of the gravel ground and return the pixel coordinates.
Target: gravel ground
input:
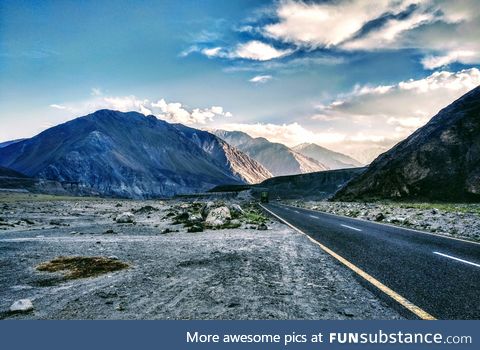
(455, 220)
(237, 273)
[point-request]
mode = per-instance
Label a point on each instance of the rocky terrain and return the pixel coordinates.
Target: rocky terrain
(454, 220)
(130, 155)
(440, 161)
(276, 157)
(87, 258)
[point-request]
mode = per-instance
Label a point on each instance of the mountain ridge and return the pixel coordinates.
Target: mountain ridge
(277, 158)
(123, 154)
(332, 159)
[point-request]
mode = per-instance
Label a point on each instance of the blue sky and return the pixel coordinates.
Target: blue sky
(355, 76)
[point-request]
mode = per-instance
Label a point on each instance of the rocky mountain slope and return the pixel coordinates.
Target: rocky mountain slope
(440, 161)
(333, 160)
(276, 157)
(128, 155)
(238, 162)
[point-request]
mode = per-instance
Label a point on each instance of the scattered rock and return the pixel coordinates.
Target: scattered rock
(349, 312)
(147, 209)
(195, 228)
(118, 205)
(262, 227)
(22, 305)
(27, 221)
(165, 231)
(125, 218)
(55, 222)
(109, 232)
(181, 218)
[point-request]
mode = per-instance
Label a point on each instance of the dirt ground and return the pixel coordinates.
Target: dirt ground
(240, 273)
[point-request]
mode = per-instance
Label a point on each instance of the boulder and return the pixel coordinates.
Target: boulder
(379, 217)
(22, 305)
(125, 218)
(218, 217)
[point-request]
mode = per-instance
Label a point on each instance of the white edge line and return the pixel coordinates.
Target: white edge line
(457, 259)
(384, 224)
(351, 228)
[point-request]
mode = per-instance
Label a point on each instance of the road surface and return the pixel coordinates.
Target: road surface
(439, 275)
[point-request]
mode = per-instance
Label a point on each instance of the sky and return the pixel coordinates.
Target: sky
(355, 76)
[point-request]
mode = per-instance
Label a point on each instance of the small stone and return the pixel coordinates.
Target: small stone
(109, 232)
(125, 218)
(348, 313)
(22, 305)
(167, 230)
(195, 228)
(262, 227)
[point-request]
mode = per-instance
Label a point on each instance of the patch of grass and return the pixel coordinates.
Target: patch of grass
(254, 217)
(75, 267)
(467, 208)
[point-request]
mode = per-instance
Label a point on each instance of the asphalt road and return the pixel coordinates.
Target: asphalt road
(438, 274)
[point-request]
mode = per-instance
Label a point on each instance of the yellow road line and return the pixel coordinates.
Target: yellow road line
(391, 293)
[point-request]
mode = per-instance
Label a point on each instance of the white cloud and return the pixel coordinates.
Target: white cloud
(433, 26)
(386, 36)
(56, 106)
(327, 24)
(290, 134)
(216, 51)
(96, 92)
(259, 51)
(432, 62)
(174, 112)
(399, 109)
(252, 50)
(260, 79)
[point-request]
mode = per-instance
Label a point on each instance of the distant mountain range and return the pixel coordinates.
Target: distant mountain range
(131, 155)
(439, 161)
(333, 160)
(276, 157)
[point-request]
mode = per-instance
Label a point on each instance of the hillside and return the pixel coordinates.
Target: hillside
(128, 155)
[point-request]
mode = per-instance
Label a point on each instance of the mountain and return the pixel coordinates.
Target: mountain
(8, 143)
(333, 160)
(130, 155)
(439, 161)
(276, 157)
(238, 162)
